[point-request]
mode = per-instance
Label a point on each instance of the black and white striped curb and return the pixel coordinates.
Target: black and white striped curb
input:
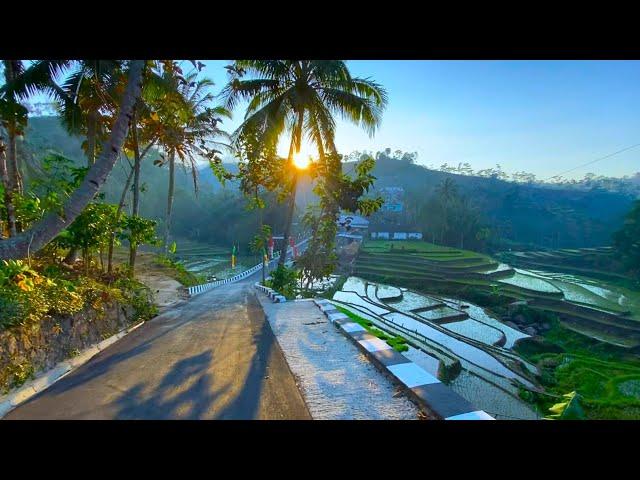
(45, 379)
(271, 293)
(208, 286)
(434, 396)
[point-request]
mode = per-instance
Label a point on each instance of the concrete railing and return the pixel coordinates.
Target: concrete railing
(196, 289)
(208, 286)
(271, 293)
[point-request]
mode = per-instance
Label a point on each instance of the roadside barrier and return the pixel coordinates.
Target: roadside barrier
(196, 289)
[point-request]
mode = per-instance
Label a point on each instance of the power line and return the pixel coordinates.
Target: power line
(593, 161)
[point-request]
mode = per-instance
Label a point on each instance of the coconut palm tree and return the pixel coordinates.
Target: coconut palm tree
(447, 192)
(92, 89)
(20, 84)
(45, 230)
(186, 125)
(301, 97)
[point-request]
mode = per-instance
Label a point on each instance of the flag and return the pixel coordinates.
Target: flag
(233, 257)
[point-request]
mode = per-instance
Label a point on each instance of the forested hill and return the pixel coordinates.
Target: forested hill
(517, 214)
(217, 215)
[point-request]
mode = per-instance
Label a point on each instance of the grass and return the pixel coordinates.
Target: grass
(607, 377)
(179, 272)
(398, 342)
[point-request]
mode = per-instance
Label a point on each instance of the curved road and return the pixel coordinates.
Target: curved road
(214, 357)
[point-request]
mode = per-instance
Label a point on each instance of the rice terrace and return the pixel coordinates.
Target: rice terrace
(320, 240)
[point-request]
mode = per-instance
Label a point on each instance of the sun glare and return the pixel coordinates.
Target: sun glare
(301, 160)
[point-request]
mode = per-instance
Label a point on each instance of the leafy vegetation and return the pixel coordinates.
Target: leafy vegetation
(29, 293)
(180, 273)
(396, 341)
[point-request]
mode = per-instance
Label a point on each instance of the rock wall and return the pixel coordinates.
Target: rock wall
(25, 350)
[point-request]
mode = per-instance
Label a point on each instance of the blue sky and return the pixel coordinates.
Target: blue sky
(543, 117)
(539, 116)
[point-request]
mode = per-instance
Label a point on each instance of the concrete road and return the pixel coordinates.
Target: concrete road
(214, 357)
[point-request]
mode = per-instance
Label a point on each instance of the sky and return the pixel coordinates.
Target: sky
(542, 117)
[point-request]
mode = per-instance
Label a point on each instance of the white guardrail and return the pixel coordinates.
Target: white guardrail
(196, 289)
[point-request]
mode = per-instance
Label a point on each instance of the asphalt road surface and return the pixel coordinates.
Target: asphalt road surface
(214, 357)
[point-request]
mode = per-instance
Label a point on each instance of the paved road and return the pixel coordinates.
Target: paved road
(214, 357)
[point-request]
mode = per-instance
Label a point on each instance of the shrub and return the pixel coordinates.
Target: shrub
(26, 296)
(284, 280)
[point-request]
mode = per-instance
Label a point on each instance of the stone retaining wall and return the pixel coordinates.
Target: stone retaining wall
(40, 347)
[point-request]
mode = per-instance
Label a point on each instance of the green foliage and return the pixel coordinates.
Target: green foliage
(284, 280)
(337, 192)
(571, 362)
(261, 240)
(26, 296)
(16, 374)
(139, 297)
(569, 409)
(398, 342)
(179, 272)
(627, 240)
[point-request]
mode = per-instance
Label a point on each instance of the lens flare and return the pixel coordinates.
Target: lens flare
(301, 160)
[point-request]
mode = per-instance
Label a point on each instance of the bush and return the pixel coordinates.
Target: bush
(180, 273)
(26, 296)
(284, 280)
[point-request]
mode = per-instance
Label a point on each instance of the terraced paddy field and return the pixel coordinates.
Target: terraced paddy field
(465, 348)
(597, 262)
(587, 336)
(597, 308)
(211, 261)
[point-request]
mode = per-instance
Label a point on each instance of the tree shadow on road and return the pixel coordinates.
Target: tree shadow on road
(188, 391)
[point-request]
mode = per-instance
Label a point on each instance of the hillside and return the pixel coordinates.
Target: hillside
(564, 218)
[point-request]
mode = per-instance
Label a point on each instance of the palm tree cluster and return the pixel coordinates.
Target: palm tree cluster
(122, 109)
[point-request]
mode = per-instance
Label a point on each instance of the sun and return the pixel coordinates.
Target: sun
(301, 160)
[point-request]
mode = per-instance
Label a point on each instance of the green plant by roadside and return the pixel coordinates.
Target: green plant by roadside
(398, 342)
(179, 272)
(284, 281)
(15, 375)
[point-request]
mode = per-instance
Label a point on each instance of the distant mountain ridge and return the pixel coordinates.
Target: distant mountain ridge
(519, 214)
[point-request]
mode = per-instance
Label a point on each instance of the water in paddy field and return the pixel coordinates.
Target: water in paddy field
(213, 262)
(487, 377)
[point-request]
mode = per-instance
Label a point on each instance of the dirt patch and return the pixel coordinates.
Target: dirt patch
(166, 290)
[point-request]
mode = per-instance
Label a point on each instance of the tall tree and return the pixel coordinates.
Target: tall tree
(447, 192)
(302, 97)
(186, 125)
(627, 240)
(45, 230)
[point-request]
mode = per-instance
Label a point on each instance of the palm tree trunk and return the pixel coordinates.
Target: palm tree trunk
(8, 193)
(91, 158)
(118, 214)
(13, 169)
(170, 194)
(289, 219)
(296, 138)
(12, 155)
(133, 247)
(92, 124)
(45, 230)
